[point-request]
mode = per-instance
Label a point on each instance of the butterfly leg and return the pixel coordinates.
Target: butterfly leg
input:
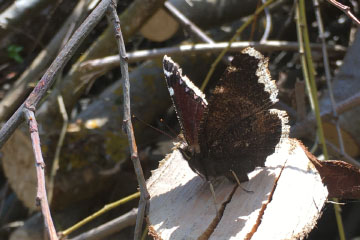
(214, 197)
(238, 182)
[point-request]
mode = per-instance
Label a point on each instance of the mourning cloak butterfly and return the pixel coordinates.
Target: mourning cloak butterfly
(236, 129)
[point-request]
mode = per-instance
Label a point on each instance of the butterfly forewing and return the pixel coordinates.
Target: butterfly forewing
(188, 100)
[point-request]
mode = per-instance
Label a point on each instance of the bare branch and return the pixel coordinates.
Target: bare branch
(268, 46)
(328, 76)
(113, 226)
(346, 10)
(41, 197)
(300, 129)
(144, 197)
(189, 26)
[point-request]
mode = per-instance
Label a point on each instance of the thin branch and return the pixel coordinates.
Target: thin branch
(237, 33)
(268, 46)
(305, 70)
(55, 165)
(328, 75)
(111, 227)
(346, 10)
(313, 95)
(49, 77)
(302, 128)
(99, 213)
(144, 197)
(41, 197)
(189, 26)
(344, 155)
(268, 23)
(311, 70)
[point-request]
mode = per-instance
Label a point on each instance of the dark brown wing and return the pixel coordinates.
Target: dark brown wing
(239, 130)
(189, 101)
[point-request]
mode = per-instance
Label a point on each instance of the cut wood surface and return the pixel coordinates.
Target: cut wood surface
(286, 200)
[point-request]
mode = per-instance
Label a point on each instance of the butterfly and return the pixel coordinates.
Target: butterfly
(236, 128)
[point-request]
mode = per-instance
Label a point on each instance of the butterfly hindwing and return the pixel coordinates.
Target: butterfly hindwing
(239, 130)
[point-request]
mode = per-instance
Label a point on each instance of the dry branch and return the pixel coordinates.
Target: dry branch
(144, 197)
(113, 61)
(346, 92)
(29, 106)
(346, 10)
(41, 197)
(188, 25)
(113, 226)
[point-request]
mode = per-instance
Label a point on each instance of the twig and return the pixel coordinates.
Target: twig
(305, 69)
(287, 22)
(41, 197)
(346, 157)
(134, 17)
(55, 165)
(113, 226)
(311, 70)
(237, 33)
(268, 23)
(49, 77)
(301, 129)
(144, 197)
(313, 95)
(328, 75)
(348, 103)
(105, 209)
(190, 26)
(345, 9)
(268, 46)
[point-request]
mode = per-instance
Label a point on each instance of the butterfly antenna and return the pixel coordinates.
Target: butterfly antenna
(152, 127)
(167, 126)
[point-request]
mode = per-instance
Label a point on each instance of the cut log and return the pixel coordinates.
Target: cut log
(286, 200)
